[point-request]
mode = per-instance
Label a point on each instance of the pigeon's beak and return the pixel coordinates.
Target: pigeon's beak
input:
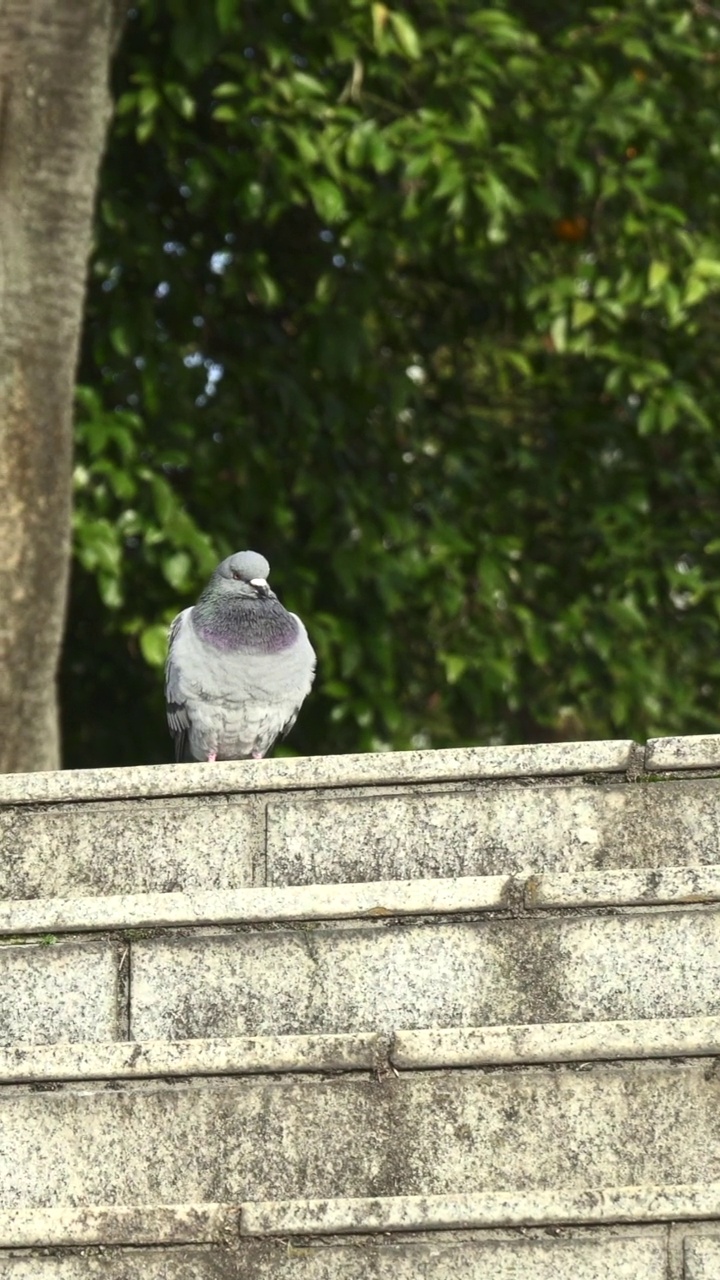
(260, 586)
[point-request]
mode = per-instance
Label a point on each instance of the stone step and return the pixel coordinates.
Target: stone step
(73, 991)
(68, 1226)
(459, 895)
(619, 1254)
(258, 1055)
(505, 1133)
(537, 760)
(555, 759)
(362, 1051)
(388, 976)
(560, 1206)
(408, 1216)
(207, 1223)
(258, 906)
(343, 959)
(479, 811)
(429, 1015)
(203, 843)
(492, 830)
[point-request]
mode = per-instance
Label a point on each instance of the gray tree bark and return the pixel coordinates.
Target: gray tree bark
(54, 110)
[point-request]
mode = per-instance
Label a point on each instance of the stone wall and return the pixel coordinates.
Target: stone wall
(426, 1015)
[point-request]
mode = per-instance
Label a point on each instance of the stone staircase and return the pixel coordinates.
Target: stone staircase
(446, 1015)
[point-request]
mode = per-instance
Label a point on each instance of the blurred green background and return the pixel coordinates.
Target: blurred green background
(424, 304)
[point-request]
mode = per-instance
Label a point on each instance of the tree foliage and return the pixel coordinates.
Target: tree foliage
(424, 304)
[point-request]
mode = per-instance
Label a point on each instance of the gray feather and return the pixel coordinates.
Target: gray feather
(175, 703)
(239, 666)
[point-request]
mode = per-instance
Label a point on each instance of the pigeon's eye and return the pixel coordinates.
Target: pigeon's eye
(237, 575)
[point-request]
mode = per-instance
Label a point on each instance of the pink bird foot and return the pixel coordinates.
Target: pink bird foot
(212, 757)
(256, 755)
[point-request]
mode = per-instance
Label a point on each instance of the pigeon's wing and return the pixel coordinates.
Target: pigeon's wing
(178, 717)
(289, 723)
(303, 692)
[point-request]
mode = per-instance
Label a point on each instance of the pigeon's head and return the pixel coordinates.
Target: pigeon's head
(244, 574)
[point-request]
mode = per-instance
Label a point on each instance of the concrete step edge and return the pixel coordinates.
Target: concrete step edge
(560, 1206)
(254, 906)
(655, 886)
(462, 894)
(245, 1055)
(550, 1042)
(68, 1226)
(406, 1050)
(77, 1226)
(693, 751)
(555, 759)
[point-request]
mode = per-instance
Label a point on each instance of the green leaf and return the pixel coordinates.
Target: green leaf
(148, 100)
(110, 591)
(380, 14)
(121, 341)
(695, 290)
(637, 49)
(707, 268)
(582, 313)
(326, 287)
(254, 199)
(328, 200)
(181, 101)
(153, 644)
(145, 129)
(225, 113)
(455, 667)
(226, 12)
(309, 84)
(658, 274)
(405, 34)
(558, 333)
(177, 570)
(126, 103)
(266, 288)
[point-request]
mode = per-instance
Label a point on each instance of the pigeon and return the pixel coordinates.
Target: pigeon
(239, 666)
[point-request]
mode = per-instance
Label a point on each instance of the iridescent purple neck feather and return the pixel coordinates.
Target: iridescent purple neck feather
(241, 625)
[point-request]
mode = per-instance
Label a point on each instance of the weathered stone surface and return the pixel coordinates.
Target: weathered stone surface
(58, 992)
(702, 1257)
(419, 1134)
(126, 1264)
(159, 1058)
(639, 964)
(493, 830)
(596, 1206)
(624, 888)
(408, 1050)
(85, 1225)
(177, 1124)
(596, 1256)
(599, 1258)
(552, 1042)
(243, 906)
(76, 850)
(698, 751)
(383, 768)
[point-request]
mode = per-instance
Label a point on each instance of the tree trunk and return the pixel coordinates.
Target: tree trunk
(54, 110)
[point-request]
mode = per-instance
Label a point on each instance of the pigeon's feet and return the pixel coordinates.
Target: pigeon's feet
(256, 755)
(212, 757)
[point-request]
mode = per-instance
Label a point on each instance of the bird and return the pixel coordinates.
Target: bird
(239, 666)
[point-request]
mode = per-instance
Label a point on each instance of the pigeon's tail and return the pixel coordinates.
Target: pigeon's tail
(183, 754)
